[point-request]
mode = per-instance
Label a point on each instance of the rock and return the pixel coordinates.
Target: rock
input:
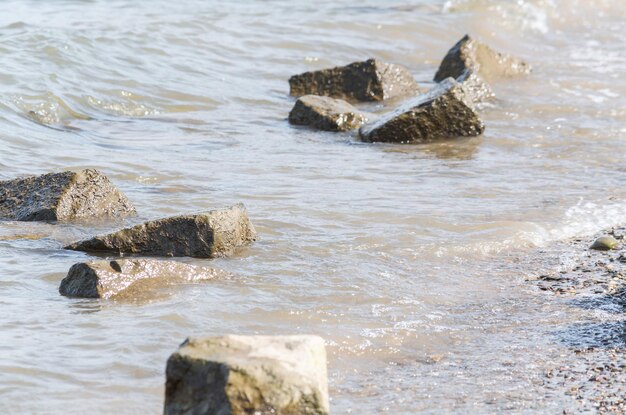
(105, 279)
(372, 80)
(476, 86)
(65, 196)
(605, 243)
(445, 111)
(240, 375)
(325, 113)
(471, 54)
(206, 235)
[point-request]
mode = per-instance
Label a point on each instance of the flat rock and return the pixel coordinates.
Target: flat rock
(106, 279)
(445, 111)
(325, 113)
(372, 80)
(240, 375)
(476, 56)
(66, 196)
(206, 235)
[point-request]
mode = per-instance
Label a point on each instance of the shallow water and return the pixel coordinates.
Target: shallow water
(409, 260)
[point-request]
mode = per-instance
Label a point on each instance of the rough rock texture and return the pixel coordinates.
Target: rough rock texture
(212, 234)
(263, 375)
(478, 89)
(325, 113)
(445, 111)
(471, 54)
(65, 196)
(372, 80)
(105, 279)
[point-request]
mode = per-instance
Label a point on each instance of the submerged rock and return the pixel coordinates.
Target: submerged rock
(212, 234)
(605, 243)
(470, 54)
(325, 113)
(445, 111)
(106, 279)
(248, 375)
(372, 80)
(66, 196)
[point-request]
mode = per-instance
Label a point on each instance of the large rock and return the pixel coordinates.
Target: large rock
(263, 375)
(212, 234)
(470, 54)
(325, 113)
(372, 80)
(445, 111)
(66, 196)
(105, 279)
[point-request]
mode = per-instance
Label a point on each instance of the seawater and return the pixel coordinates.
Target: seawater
(409, 260)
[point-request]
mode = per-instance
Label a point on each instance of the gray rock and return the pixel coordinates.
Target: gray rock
(478, 89)
(445, 111)
(262, 375)
(65, 196)
(325, 113)
(106, 279)
(605, 243)
(372, 80)
(471, 54)
(212, 234)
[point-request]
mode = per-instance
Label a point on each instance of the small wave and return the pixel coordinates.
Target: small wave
(126, 108)
(47, 109)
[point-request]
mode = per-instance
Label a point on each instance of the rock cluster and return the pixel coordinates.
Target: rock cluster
(248, 375)
(445, 111)
(66, 196)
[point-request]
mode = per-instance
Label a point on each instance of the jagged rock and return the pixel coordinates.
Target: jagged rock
(65, 196)
(372, 80)
(476, 56)
(205, 235)
(445, 111)
(325, 113)
(476, 86)
(240, 375)
(106, 279)
(605, 243)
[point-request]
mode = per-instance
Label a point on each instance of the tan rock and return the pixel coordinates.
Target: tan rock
(263, 375)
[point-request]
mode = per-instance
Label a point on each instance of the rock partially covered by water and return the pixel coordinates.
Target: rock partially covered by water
(66, 196)
(445, 111)
(605, 243)
(106, 279)
(248, 375)
(212, 234)
(470, 54)
(372, 80)
(325, 113)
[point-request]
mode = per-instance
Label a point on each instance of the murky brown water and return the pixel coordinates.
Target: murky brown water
(409, 260)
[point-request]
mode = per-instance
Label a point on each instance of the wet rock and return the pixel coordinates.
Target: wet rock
(605, 243)
(248, 375)
(213, 234)
(476, 86)
(471, 54)
(66, 196)
(325, 113)
(444, 111)
(106, 279)
(372, 80)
